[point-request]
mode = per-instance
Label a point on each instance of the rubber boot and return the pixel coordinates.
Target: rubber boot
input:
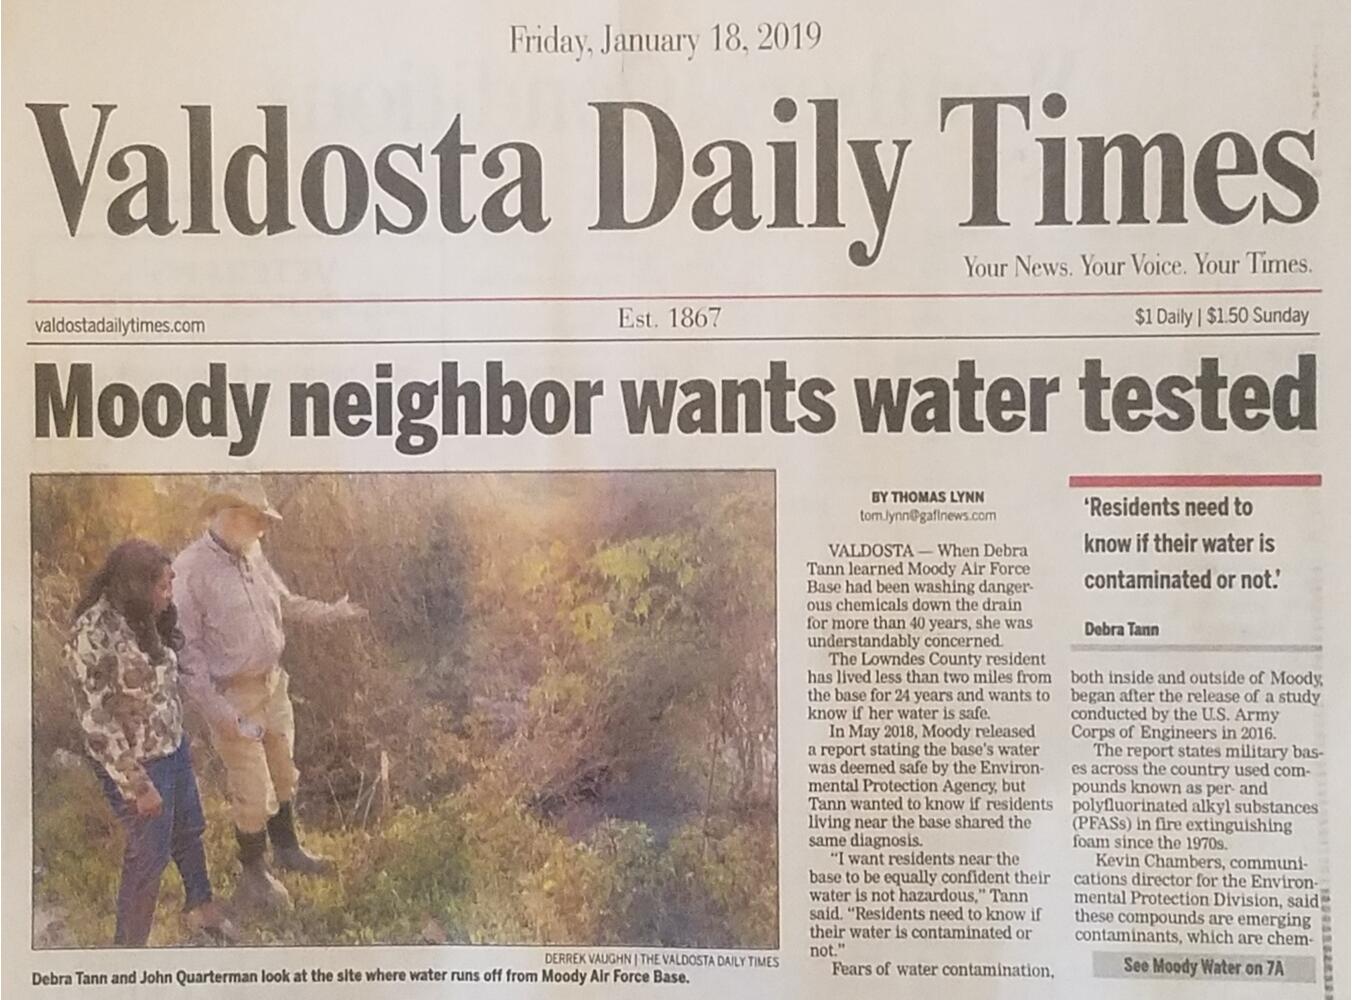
(258, 888)
(287, 853)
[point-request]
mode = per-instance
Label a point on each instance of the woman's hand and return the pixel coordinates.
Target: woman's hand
(249, 730)
(149, 803)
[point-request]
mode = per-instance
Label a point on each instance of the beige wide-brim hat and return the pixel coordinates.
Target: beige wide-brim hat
(238, 491)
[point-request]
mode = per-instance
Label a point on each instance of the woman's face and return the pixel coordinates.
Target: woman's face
(162, 593)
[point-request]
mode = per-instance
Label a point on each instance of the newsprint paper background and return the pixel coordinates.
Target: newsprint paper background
(760, 500)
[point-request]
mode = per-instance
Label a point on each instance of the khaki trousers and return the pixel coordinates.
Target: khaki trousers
(260, 774)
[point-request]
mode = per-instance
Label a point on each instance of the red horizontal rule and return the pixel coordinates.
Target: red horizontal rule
(1198, 480)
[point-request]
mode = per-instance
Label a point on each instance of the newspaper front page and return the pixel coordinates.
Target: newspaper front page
(722, 499)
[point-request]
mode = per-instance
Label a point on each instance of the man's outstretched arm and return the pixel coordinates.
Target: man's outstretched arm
(298, 608)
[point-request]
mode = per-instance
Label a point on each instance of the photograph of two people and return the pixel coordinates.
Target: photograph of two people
(534, 708)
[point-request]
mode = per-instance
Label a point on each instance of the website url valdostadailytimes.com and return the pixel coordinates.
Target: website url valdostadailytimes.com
(116, 326)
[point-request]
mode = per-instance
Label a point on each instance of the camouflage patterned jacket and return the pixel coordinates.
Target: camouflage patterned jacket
(129, 706)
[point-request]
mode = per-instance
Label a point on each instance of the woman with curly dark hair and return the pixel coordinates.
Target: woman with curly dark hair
(123, 654)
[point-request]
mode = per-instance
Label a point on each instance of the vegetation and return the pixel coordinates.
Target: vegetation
(556, 726)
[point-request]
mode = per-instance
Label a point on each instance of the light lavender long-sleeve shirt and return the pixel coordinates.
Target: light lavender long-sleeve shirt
(231, 609)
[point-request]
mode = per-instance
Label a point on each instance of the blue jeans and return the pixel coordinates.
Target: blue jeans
(176, 833)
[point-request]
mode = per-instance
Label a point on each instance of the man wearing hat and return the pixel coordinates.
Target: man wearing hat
(232, 606)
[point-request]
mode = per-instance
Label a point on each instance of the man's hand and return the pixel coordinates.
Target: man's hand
(149, 803)
(249, 730)
(346, 609)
